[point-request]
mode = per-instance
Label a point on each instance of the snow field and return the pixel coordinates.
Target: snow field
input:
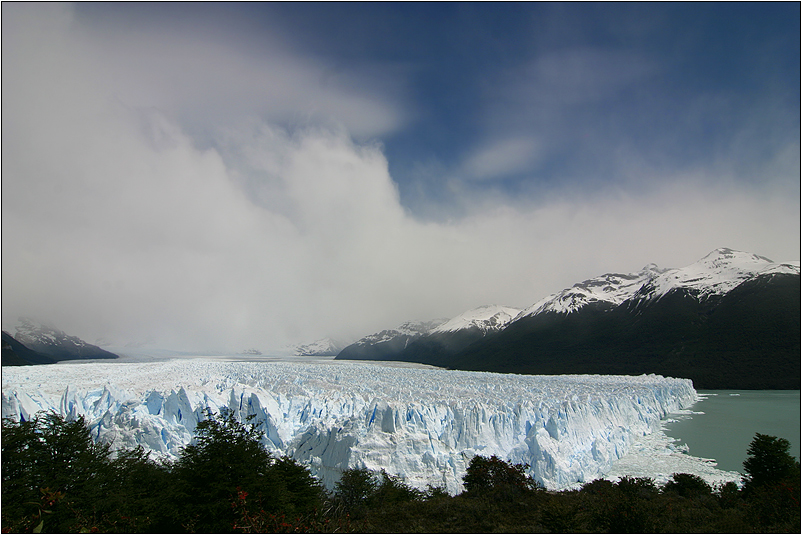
(424, 425)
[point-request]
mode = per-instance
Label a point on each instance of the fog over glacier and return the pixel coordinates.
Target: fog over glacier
(423, 424)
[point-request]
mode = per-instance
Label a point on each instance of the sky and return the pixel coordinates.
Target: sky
(225, 176)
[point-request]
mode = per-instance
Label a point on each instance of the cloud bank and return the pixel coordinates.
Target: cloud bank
(199, 198)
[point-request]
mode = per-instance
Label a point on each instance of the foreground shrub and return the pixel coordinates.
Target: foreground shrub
(55, 479)
(688, 486)
(50, 468)
(227, 459)
(493, 475)
(769, 462)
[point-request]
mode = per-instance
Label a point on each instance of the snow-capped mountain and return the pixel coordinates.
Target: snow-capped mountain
(714, 275)
(387, 344)
(610, 289)
(486, 319)
(436, 339)
(730, 320)
(17, 354)
(407, 330)
(324, 347)
(55, 343)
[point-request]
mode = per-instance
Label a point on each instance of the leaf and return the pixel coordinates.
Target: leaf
(38, 529)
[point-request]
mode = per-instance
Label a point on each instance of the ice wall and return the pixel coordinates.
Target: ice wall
(422, 424)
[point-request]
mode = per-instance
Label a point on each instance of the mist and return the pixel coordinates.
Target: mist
(191, 196)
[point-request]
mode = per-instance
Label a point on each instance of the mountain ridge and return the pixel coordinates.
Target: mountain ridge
(684, 322)
(47, 340)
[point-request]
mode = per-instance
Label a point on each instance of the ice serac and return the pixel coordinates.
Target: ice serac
(424, 425)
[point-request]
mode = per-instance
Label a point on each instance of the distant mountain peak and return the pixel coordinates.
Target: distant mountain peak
(727, 255)
(611, 289)
(49, 340)
(318, 348)
(407, 330)
(32, 332)
(718, 273)
(485, 318)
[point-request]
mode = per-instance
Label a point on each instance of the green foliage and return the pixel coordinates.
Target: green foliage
(772, 483)
(226, 482)
(49, 458)
(688, 486)
(392, 490)
(55, 478)
(227, 458)
(623, 507)
(637, 487)
(353, 489)
(224, 449)
(769, 462)
(495, 475)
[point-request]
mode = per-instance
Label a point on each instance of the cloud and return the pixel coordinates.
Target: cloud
(582, 74)
(502, 158)
(208, 77)
(118, 222)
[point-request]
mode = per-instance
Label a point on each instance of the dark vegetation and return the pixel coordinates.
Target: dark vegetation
(747, 339)
(56, 479)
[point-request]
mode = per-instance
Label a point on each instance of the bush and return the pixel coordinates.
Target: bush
(353, 489)
(56, 479)
(392, 490)
(485, 475)
(227, 460)
(688, 486)
(51, 467)
(769, 462)
(771, 486)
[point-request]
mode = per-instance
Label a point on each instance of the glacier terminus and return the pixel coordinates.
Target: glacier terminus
(422, 424)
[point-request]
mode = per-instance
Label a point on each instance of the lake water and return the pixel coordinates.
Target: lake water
(730, 420)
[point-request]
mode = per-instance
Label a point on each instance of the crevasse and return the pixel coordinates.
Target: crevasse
(424, 425)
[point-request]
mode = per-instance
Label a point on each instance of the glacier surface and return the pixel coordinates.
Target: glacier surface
(423, 424)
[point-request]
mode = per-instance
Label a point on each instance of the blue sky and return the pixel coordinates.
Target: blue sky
(280, 172)
(523, 97)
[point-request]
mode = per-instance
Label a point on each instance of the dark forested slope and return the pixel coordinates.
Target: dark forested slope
(748, 338)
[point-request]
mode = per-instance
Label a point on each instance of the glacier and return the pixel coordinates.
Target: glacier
(420, 423)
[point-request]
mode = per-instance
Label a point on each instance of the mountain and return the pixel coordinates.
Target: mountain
(16, 354)
(438, 344)
(389, 343)
(325, 347)
(485, 319)
(730, 320)
(54, 343)
(608, 291)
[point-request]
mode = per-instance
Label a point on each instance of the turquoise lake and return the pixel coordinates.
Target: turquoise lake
(730, 420)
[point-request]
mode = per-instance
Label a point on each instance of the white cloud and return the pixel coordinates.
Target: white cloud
(209, 79)
(115, 223)
(502, 158)
(578, 75)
